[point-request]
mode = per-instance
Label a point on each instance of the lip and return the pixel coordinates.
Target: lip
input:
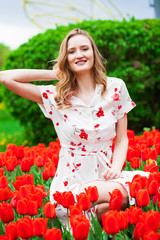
(81, 61)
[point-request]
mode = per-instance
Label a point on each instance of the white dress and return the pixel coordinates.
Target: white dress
(86, 133)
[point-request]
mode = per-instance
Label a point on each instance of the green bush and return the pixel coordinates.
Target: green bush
(132, 51)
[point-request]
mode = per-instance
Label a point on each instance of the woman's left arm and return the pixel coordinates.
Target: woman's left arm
(120, 150)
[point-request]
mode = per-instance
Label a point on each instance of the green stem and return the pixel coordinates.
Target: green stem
(68, 221)
(124, 237)
(114, 237)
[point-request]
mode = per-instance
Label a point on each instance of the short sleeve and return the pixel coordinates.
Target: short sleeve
(125, 103)
(47, 94)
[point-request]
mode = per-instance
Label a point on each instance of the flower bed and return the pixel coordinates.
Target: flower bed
(26, 213)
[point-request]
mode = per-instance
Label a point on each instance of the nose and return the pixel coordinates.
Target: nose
(79, 54)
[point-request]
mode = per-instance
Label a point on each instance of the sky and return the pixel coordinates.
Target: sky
(16, 28)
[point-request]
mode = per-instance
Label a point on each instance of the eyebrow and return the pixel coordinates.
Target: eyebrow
(80, 46)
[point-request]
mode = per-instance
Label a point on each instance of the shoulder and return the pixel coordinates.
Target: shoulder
(113, 82)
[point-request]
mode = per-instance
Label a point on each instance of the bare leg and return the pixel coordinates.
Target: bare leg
(104, 187)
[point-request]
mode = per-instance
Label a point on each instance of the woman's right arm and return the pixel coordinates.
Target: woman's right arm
(18, 81)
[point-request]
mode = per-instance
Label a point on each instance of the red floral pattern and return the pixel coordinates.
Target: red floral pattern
(100, 113)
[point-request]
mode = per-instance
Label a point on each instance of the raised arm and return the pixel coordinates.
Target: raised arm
(18, 81)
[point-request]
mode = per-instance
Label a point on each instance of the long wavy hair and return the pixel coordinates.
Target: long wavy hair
(67, 84)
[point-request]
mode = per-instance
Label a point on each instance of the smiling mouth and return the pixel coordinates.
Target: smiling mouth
(81, 62)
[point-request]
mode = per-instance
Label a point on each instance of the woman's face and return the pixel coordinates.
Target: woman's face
(80, 54)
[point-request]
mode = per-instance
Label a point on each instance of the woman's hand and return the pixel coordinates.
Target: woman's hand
(111, 173)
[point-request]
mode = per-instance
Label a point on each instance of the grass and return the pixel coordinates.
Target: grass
(10, 130)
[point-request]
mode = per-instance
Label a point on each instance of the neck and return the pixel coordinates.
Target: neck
(85, 82)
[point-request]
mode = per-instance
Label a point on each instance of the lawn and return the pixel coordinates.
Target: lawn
(10, 129)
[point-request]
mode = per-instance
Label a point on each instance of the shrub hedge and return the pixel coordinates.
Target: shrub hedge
(132, 51)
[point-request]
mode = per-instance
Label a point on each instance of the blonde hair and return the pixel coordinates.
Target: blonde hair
(67, 79)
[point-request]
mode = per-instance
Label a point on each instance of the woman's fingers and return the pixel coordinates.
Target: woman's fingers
(110, 174)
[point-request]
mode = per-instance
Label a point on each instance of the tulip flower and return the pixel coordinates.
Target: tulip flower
(3, 182)
(123, 220)
(135, 162)
(22, 206)
(25, 179)
(5, 194)
(151, 167)
(150, 235)
(49, 210)
(67, 199)
(151, 219)
(80, 227)
(116, 199)
(39, 226)
(83, 201)
(143, 198)
(133, 214)
(53, 233)
(153, 154)
(25, 166)
(11, 163)
(93, 193)
(25, 228)
(153, 187)
(74, 210)
(11, 231)
(110, 222)
(6, 212)
(139, 231)
(19, 152)
(1, 172)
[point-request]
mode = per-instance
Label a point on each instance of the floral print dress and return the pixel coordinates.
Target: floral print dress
(86, 133)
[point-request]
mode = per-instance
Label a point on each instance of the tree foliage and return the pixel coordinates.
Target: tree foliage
(132, 51)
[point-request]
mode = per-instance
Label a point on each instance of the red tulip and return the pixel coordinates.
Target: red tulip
(145, 154)
(80, 227)
(53, 233)
(2, 159)
(25, 179)
(22, 206)
(11, 163)
(5, 194)
(39, 226)
(151, 220)
(1, 172)
(135, 163)
(153, 187)
(123, 220)
(116, 199)
(19, 152)
(49, 210)
(58, 197)
(153, 154)
(150, 235)
(25, 165)
(6, 212)
(110, 222)
(93, 193)
(74, 210)
(83, 201)
(11, 231)
(32, 208)
(67, 199)
(139, 231)
(151, 167)
(39, 161)
(143, 198)
(3, 182)
(133, 214)
(25, 228)
(134, 187)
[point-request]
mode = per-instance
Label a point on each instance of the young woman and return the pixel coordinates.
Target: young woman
(88, 110)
